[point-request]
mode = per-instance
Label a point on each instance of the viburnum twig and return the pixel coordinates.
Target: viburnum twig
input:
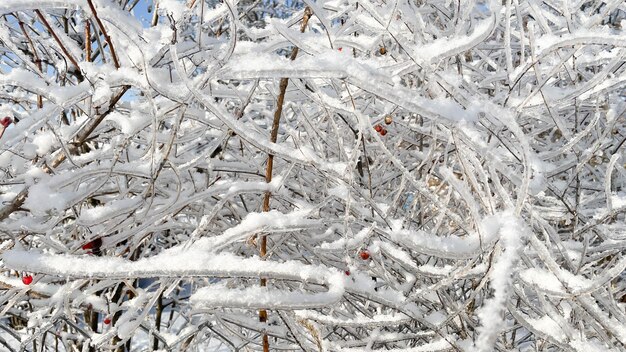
(270, 160)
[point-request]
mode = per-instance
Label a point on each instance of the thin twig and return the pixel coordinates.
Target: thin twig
(104, 33)
(36, 57)
(87, 41)
(270, 161)
(56, 38)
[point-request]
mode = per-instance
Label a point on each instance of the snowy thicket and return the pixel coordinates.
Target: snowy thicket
(331, 175)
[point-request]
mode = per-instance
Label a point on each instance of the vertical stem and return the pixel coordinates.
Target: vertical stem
(117, 298)
(270, 163)
(88, 55)
(157, 320)
(87, 41)
(92, 320)
(155, 15)
(104, 33)
(36, 57)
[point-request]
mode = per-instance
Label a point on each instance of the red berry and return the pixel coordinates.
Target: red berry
(27, 280)
(378, 128)
(347, 272)
(5, 121)
(383, 132)
(107, 320)
(365, 255)
(93, 244)
(340, 49)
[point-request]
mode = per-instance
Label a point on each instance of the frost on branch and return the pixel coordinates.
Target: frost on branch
(323, 176)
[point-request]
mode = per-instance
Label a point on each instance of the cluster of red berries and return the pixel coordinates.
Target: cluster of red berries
(364, 254)
(380, 129)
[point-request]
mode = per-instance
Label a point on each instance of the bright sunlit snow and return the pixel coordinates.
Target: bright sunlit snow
(320, 176)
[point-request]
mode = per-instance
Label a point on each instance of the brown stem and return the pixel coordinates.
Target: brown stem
(87, 41)
(36, 57)
(270, 163)
(117, 298)
(57, 39)
(92, 319)
(155, 15)
(104, 33)
(157, 322)
(81, 137)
